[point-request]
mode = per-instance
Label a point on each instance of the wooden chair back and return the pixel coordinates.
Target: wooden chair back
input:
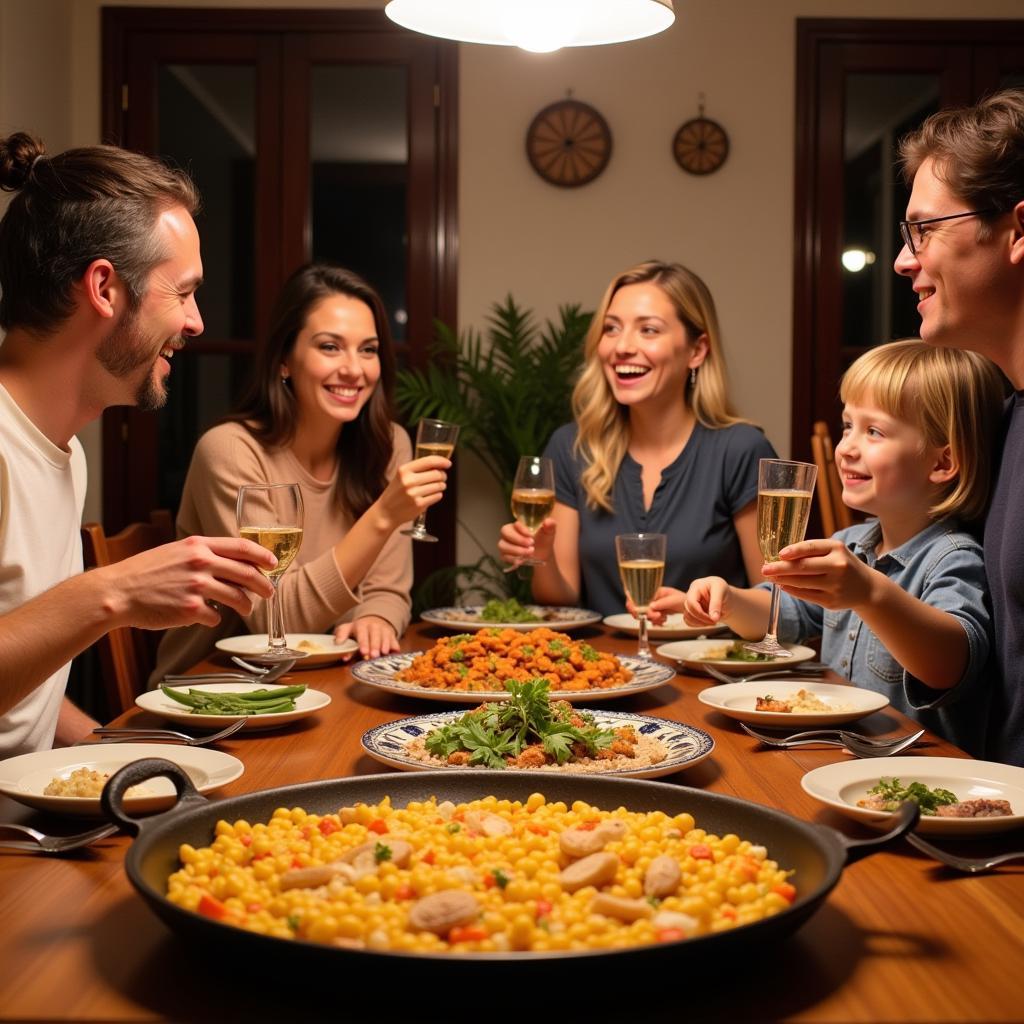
(834, 514)
(127, 655)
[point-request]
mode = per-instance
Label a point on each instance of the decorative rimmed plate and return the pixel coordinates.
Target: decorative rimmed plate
(841, 785)
(467, 619)
(160, 704)
(673, 628)
(739, 700)
(23, 778)
(381, 673)
(693, 654)
(687, 745)
(321, 647)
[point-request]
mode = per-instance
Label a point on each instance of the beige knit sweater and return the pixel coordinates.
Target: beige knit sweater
(314, 593)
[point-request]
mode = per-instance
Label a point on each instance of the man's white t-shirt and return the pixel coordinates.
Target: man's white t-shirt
(42, 490)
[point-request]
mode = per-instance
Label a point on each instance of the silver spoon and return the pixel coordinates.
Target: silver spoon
(43, 843)
(862, 746)
(167, 735)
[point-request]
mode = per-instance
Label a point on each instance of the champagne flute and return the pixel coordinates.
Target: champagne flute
(641, 558)
(271, 515)
(533, 498)
(784, 491)
(433, 437)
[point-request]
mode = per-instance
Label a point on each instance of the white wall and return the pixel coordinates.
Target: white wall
(550, 246)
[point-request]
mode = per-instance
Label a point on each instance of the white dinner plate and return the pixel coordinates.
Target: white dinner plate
(322, 648)
(381, 673)
(686, 745)
(841, 785)
(23, 778)
(739, 700)
(467, 618)
(673, 628)
(160, 704)
(693, 653)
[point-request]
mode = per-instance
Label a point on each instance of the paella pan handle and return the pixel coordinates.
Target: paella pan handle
(906, 819)
(137, 772)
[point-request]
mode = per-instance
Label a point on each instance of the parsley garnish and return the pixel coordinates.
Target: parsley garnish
(500, 878)
(381, 852)
(500, 731)
(894, 793)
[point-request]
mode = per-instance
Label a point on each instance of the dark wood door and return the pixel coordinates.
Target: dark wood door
(272, 111)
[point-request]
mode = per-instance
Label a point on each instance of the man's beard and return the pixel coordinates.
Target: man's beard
(123, 352)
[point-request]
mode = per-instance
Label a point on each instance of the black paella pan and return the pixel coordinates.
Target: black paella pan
(815, 853)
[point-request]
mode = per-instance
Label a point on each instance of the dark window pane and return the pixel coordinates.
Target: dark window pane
(206, 120)
(880, 109)
(359, 158)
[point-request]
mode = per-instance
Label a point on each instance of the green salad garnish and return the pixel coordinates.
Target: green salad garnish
(893, 792)
(504, 729)
(509, 610)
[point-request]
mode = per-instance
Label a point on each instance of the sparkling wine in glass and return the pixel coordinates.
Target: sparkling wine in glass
(271, 515)
(641, 558)
(533, 497)
(784, 492)
(433, 437)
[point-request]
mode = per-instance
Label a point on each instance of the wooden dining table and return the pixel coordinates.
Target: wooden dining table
(900, 938)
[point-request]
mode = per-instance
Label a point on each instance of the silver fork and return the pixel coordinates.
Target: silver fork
(256, 674)
(167, 735)
(862, 746)
(43, 843)
(970, 865)
(812, 670)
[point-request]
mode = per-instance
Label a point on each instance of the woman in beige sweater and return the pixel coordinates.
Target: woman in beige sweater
(318, 411)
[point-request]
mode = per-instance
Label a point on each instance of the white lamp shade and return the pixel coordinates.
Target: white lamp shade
(540, 25)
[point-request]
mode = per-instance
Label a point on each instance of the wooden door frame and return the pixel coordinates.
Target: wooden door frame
(436, 241)
(826, 49)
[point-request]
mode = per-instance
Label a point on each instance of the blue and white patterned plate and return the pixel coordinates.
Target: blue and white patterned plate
(467, 619)
(381, 673)
(686, 745)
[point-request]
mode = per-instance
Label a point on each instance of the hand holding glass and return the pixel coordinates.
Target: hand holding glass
(271, 515)
(784, 491)
(533, 498)
(641, 558)
(433, 437)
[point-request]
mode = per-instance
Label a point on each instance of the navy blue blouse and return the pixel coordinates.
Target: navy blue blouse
(714, 477)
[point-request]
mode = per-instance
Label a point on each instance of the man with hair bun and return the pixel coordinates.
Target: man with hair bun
(99, 266)
(964, 254)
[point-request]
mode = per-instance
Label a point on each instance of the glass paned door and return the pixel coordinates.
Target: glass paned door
(206, 123)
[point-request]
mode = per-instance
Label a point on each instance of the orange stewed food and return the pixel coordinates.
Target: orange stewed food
(487, 659)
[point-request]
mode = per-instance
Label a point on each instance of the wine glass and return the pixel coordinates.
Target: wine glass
(533, 498)
(784, 492)
(641, 558)
(433, 437)
(271, 515)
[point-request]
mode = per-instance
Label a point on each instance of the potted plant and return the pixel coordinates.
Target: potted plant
(508, 388)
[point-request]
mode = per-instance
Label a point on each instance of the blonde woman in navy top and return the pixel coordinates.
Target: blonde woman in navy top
(655, 447)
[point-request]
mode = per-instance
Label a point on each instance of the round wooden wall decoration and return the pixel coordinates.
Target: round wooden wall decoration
(568, 143)
(700, 146)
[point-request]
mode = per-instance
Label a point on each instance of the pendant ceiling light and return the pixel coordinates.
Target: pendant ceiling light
(537, 25)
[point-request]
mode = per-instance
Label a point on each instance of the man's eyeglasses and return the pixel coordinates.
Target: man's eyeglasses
(913, 235)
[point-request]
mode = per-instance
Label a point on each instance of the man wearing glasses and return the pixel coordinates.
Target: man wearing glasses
(963, 250)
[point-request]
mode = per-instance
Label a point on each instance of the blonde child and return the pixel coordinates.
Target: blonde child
(900, 600)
